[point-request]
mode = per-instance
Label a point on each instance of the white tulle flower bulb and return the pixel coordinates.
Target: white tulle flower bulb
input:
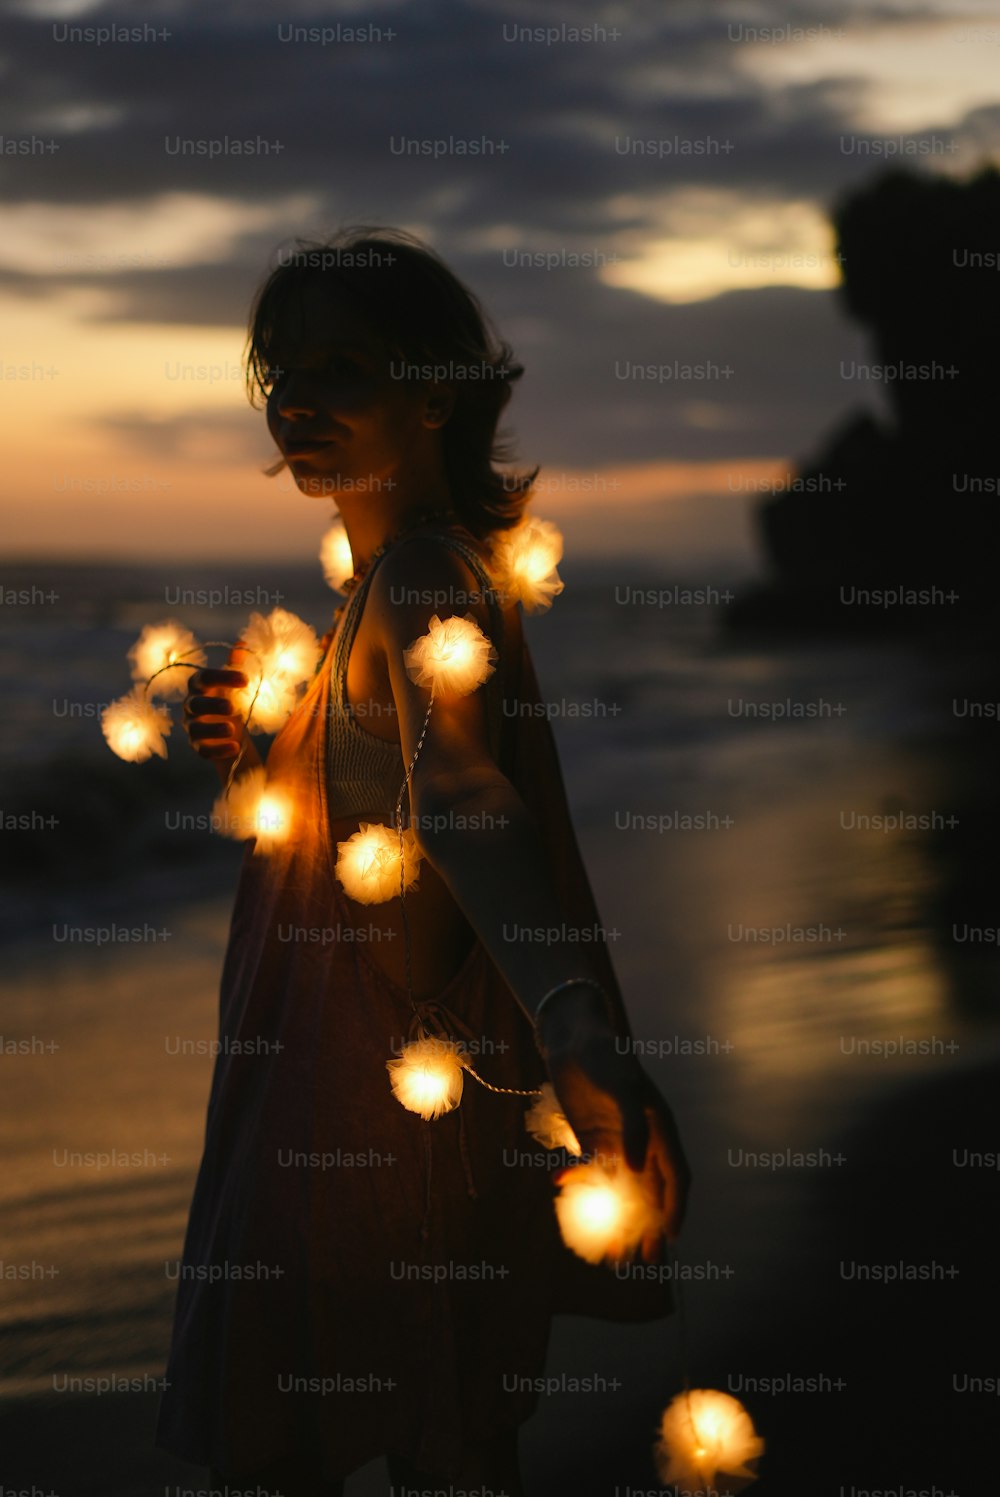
(603, 1215)
(705, 1434)
(267, 702)
(524, 561)
(368, 862)
(135, 728)
(546, 1121)
(427, 1076)
(286, 652)
(335, 556)
(158, 646)
(253, 808)
(453, 658)
(285, 644)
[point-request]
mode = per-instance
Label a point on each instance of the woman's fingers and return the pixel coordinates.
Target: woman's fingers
(209, 706)
(601, 1091)
(643, 1138)
(216, 676)
(202, 728)
(214, 726)
(226, 748)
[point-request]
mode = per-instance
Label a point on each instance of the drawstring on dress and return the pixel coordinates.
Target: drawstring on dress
(432, 1019)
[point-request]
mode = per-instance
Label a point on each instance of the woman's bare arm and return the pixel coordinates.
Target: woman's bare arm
(477, 832)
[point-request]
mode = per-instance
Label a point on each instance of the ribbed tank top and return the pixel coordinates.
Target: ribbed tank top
(364, 773)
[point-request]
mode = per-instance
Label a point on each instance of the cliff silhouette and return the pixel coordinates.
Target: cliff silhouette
(907, 502)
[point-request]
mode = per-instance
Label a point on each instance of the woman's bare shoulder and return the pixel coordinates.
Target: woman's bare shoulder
(425, 576)
(424, 573)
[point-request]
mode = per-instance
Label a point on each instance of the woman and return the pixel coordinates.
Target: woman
(381, 1283)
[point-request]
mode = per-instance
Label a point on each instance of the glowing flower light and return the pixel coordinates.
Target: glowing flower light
(546, 1121)
(524, 561)
(452, 658)
(286, 652)
(266, 702)
(335, 556)
(253, 808)
(704, 1433)
(159, 645)
(284, 644)
(427, 1076)
(135, 727)
(368, 862)
(603, 1215)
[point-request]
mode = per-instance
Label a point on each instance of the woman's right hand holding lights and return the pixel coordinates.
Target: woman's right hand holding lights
(618, 1114)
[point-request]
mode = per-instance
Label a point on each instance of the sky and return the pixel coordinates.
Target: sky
(653, 194)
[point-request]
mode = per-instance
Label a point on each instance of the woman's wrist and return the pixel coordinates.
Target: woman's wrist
(571, 1013)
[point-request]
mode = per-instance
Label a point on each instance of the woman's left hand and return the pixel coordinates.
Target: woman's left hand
(619, 1114)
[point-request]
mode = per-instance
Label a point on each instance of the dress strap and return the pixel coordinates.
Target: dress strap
(348, 627)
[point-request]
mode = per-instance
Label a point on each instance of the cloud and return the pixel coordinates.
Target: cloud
(614, 378)
(585, 147)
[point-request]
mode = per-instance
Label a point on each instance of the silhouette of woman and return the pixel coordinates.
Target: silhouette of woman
(357, 1280)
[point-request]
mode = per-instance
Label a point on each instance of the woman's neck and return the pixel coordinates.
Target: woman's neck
(371, 523)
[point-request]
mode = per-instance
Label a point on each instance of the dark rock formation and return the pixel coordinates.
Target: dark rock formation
(912, 503)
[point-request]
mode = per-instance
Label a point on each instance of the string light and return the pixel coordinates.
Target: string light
(368, 863)
(704, 1434)
(266, 703)
(546, 1121)
(160, 646)
(336, 557)
(453, 658)
(524, 561)
(287, 653)
(377, 863)
(603, 1215)
(427, 1076)
(135, 727)
(252, 807)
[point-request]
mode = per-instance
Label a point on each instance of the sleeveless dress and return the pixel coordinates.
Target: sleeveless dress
(357, 1279)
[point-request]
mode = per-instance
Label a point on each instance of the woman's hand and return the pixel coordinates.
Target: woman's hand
(215, 727)
(213, 724)
(615, 1109)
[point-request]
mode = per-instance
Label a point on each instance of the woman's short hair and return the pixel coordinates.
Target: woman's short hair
(431, 322)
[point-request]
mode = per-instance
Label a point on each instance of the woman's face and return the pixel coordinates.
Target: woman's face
(339, 418)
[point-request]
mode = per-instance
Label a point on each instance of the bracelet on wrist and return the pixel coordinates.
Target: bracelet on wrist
(571, 982)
